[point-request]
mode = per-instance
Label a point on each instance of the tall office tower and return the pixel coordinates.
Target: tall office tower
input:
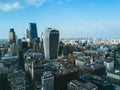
(47, 81)
(50, 43)
(33, 30)
(27, 33)
(12, 38)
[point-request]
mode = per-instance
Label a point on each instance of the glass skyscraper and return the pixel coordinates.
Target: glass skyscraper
(33, 30)
(50, 43)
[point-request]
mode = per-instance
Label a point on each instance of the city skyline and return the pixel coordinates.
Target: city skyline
(73, 18)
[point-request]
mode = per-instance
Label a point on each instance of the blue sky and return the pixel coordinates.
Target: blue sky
(73, 18)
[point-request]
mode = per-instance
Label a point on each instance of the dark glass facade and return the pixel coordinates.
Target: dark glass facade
(50, 43)
(53, 42)
(33, 30)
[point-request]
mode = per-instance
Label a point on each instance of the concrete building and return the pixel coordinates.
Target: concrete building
(32, 64)
(13, 51)
(12, 38)
(17, 80)
(50, 43)
(47, 81)
(3, 70)
(79, 63)
(12, 62)
(77, 85)
(109, 65)
(114, 74)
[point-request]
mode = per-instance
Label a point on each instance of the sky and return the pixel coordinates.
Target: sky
(73, 18)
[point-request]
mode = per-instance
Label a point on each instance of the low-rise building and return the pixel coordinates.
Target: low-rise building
(77, 85)
(17, 80)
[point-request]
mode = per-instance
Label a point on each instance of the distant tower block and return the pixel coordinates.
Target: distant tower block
(12, 38)
(27, 33)
(50, 43)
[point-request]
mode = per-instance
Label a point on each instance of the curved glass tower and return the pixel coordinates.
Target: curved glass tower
(50, 43)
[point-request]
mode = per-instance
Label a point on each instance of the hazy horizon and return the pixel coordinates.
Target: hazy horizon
(73, 18)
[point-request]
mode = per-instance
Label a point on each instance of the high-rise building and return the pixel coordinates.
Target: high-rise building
(47, 81)
(33, 31)
(27, 33)
(50, 43)
(12, 38)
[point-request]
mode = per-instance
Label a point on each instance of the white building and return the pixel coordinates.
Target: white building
(47, 81)
(115, 74)
(109, 65)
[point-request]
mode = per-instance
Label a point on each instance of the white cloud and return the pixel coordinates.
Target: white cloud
(62, 1)
(9, 6)
(36, 3)
(68, 0)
